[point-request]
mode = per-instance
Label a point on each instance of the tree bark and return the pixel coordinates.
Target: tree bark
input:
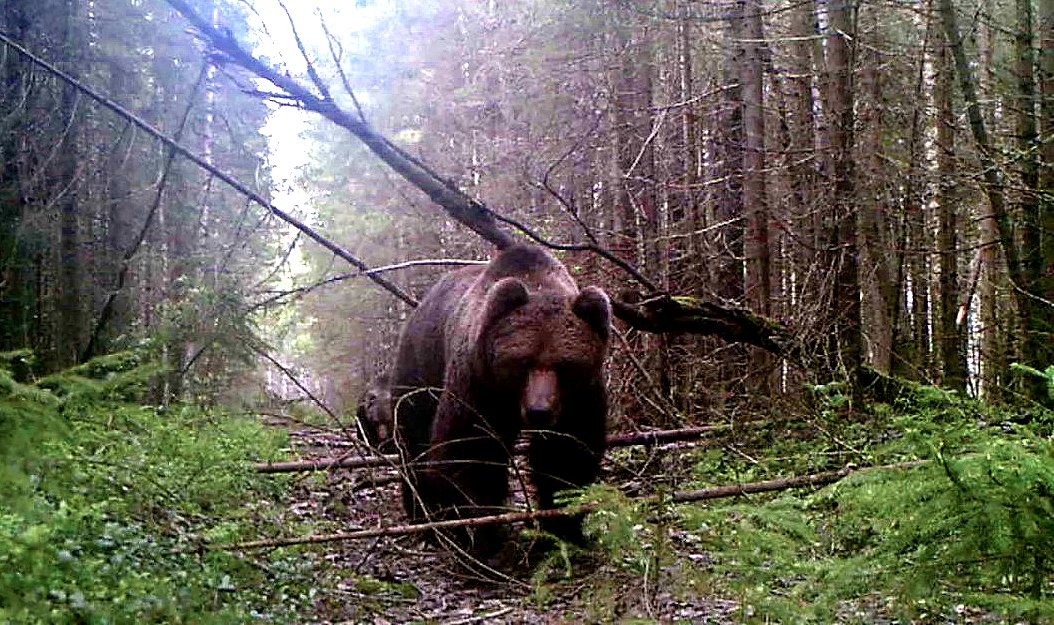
(952, 340)
(1037, 313)
(71, 294)
(691, 160)
(727, 240)
(880, 258)
(1045, 287)
(992, 289)
(844, 351)
(757, 285)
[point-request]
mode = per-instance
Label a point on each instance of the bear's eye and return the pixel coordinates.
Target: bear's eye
(515, 366)
(572, 370)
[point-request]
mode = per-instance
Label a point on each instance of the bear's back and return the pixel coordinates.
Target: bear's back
(538, 269)
(421, 357)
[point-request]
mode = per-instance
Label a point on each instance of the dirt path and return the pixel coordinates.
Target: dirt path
(400, 580)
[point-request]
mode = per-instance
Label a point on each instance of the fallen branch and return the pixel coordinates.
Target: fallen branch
(689, 315)
(653, 437)
(717, 492)
(616, 440)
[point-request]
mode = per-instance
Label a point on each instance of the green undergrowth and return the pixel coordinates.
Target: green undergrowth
(964, 536)
(106, 503)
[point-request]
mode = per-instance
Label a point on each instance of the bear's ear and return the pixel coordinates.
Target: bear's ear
(593, 306)
(505, 296)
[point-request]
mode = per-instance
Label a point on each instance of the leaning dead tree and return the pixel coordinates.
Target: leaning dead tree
(655, 312)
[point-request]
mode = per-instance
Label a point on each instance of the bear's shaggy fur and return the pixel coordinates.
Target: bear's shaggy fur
(492, 351)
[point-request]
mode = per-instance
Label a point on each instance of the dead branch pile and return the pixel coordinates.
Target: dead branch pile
(617, 440)
(717, 492)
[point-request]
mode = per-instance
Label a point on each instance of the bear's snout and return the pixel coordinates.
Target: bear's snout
(540, 399)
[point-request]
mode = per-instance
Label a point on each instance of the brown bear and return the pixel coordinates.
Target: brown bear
(374, 412)
(491, 351)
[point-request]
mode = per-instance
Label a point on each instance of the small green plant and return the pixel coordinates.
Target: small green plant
(619, 526)
(1046, 374)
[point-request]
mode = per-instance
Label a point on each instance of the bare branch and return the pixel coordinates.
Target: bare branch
(338, 53)
(357, 441)
(583, 247)
(438, 262)
(311, 71)
(441, 262)
(568, 204)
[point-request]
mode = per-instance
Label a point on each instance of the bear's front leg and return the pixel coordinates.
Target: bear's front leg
(568, 456)
(467, 478)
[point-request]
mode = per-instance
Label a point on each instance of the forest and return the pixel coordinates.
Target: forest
(825, 230)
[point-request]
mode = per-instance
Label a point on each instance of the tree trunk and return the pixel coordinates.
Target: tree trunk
(952, 340)
(881, 258)
(757, 285)
(727, 240)
(1037, 315)
(992, 283)
(19, 274)
(844, 351)
(755, 201)
(71, 281)
(691, 161)
(1045, 286)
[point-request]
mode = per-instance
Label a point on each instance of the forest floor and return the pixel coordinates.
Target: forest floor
(753, 559)
(402, 579)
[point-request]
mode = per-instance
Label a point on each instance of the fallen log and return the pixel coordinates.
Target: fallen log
(615, 440)
(716, 492)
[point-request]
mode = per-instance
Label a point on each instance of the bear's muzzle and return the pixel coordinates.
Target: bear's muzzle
(540, 399)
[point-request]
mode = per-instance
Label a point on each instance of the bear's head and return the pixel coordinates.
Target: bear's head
(374, 412)
(537, 348)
